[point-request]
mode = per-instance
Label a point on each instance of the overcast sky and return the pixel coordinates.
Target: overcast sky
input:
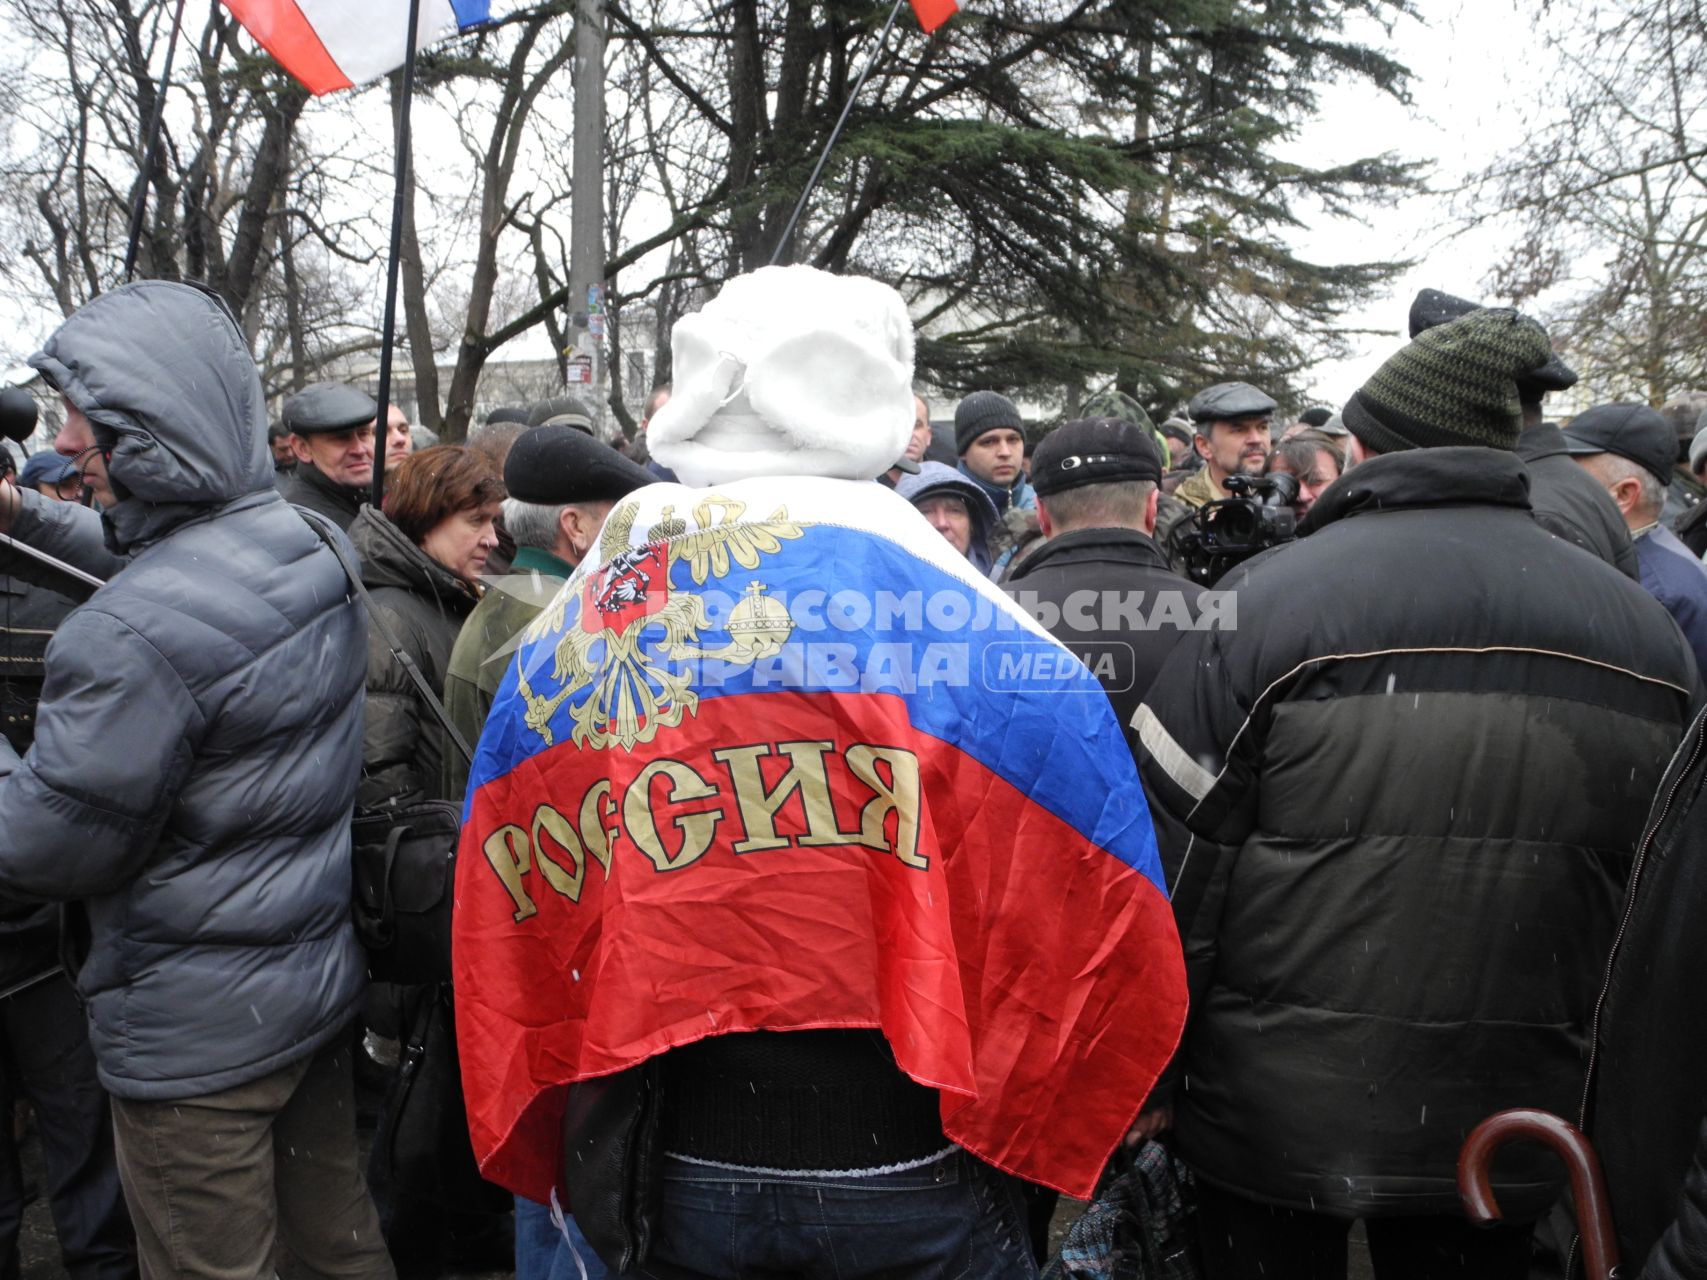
(1467, 87)
(1475, 64)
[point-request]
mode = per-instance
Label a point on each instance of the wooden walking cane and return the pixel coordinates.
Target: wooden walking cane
(1588, 1184)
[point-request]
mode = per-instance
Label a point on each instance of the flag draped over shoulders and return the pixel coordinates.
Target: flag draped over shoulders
(777, 757)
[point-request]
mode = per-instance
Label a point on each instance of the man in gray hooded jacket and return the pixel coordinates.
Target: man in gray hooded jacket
(189, 790)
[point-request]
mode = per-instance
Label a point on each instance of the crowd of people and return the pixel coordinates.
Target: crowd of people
(1418, 777)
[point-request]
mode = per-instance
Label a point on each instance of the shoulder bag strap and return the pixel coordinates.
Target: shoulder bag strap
(326, 531)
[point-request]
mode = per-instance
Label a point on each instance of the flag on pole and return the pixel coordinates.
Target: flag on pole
(933, 13)
(778, 757)
(335, 44)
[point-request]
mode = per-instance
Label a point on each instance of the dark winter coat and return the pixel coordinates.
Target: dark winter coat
(199, 732)
(422, 604)
(34, 600)
(307, 486)
(1648, 1112)
(1110, 597)
(1570, 503)
(1679, 582)
(1413, 776)
(1691, 529)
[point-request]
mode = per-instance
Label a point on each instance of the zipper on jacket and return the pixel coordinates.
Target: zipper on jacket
(1699, 734)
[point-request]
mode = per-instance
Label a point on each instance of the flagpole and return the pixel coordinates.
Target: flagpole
(824, 155)
(382, 423)
(151, 149)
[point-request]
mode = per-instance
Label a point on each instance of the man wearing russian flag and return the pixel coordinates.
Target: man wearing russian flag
(807, 898)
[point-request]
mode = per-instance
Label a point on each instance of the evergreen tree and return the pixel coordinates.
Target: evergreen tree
(1072, 193)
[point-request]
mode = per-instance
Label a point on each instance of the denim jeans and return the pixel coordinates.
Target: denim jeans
(541, 1251)
(955, 1217)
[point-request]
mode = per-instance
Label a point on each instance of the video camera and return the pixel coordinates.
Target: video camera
(1229, 531)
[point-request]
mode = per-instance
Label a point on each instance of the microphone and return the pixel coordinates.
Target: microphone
(17, 414)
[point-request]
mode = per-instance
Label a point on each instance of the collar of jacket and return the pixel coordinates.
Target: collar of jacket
(1544, 441)
(537, 560)
(389, 559)
(1198, 488)
(1127, 546)
(1420, 478)
(1002, 497)
(350, 496)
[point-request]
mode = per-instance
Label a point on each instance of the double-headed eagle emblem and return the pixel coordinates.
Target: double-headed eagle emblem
(623, 665)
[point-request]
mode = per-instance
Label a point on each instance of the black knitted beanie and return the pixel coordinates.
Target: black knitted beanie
(980, 412)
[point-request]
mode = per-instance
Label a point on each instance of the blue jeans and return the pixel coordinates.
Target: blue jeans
(541, 1251)
(953, 1218)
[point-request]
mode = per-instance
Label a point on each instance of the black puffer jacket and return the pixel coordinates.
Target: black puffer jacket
(1648, 1091)
(1414, 775)
(1571, 504)
(423, 605)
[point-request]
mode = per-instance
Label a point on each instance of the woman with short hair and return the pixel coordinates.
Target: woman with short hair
(421, 559)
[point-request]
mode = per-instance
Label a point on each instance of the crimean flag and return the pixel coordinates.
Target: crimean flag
(337, 44)
(933, 13)
(777, 757)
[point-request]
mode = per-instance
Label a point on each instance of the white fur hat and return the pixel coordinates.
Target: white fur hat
(789, 371)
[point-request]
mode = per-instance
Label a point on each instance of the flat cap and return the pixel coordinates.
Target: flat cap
(518, 413)
(1632, 431)
(555, 464)
(328, 406)
(1229, 400)
(1432, 308)
(565, 411)
(1093, 451)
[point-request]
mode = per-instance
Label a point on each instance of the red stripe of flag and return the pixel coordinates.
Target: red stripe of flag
(933, 13)
(282, 30)
(1029, 975)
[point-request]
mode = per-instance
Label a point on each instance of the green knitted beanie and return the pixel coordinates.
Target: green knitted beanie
(1455, 384)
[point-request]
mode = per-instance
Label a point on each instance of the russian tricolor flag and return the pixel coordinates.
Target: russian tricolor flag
(779, 757)
(336, 44)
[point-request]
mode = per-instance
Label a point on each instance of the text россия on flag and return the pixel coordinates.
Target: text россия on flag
(333, 44)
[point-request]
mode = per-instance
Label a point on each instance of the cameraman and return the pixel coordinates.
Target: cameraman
(1310, 460)
(1233, 422)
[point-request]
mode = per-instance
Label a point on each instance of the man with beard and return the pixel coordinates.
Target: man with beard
(1233, 421)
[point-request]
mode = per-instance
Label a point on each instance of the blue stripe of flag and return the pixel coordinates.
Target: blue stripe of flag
(471, 13)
